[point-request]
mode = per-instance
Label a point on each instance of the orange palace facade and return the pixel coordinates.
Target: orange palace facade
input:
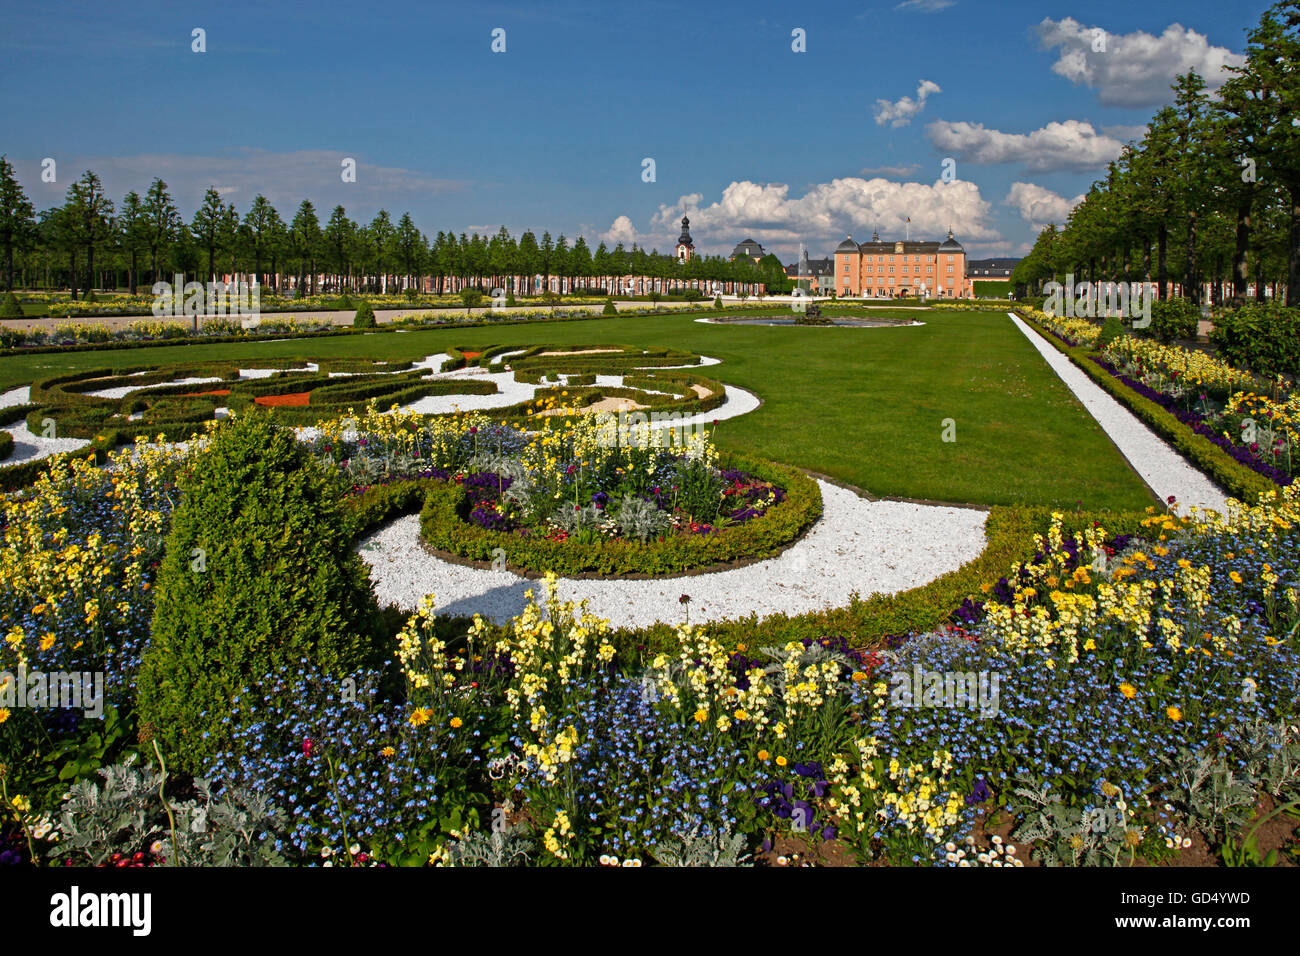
(891, 269)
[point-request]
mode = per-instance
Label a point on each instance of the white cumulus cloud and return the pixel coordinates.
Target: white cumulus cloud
(1039, 206)
(902, 112)
(1071, 145)
(827, 212)
(1135, 69)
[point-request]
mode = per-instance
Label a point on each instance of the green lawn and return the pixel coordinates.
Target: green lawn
(862, 405)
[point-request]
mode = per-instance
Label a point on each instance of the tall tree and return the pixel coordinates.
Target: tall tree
(17, 219)
(89, 220)
(305, 241)
(132, 234)
(162, 223)
(205, 226)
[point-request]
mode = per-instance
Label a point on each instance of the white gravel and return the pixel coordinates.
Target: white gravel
(1166, 471)
(867, 547)
(27, 445)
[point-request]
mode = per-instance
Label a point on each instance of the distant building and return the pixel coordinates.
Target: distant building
(818, 273)
(748, 248)
(884, 269)
(990, 270)
(685, 245)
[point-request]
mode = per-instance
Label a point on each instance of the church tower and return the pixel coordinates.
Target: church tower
(685, 247)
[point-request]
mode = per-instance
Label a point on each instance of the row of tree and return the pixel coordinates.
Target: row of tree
(1210, 197)
(88, 243)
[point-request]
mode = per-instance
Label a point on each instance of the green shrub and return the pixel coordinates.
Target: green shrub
(345, 303)
(1111, 329)
(1173, 319)
(10, 307)
(1262, 338)
(6, 445)
(365, 317)
(259, 575)
(717, 302)
(471, 297)
(609, 308)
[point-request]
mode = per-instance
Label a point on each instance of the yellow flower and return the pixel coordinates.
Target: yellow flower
(1236, 578)
(1128, 690)
(701, 715)
(1174, 713)
(420, 716)
(456, 722)
(763, 755)
(781, 761)
(387, 752)
(741, 714)
(4, 714)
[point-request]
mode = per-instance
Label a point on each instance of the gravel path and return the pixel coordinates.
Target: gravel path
(867, 547)
(1166, 471)
(29, 446)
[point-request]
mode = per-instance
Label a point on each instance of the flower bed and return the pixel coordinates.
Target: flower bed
(1204, 446)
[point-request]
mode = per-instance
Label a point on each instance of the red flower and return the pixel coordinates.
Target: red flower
(307, 745)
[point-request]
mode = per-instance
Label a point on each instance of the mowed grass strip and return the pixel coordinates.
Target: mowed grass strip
(865, 406)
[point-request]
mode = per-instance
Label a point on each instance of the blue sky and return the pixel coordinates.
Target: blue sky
(751, 137)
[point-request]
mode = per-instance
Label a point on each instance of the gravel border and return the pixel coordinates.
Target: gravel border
(1165, 471)
(857, 546)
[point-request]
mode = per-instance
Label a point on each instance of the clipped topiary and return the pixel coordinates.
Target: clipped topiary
(609, 308)
(1111, 329)
(259, 574)
(717, 302)
(365, 317)
(10, 307)
(345, 303)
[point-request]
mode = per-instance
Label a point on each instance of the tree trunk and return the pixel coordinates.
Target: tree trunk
(1293, 252)
(72, 268)
(1240, 253)
(1162, 261)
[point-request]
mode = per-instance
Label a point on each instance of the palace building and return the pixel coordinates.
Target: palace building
(883, 269)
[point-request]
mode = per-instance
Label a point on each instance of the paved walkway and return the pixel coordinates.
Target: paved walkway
(1162, 468)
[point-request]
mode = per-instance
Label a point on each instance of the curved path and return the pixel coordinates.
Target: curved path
(867, 547)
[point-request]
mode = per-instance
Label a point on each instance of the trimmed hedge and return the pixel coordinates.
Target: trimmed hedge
(443, 527)
(6, 445)
(1241, 482)
(1262, 338)
(259, 575)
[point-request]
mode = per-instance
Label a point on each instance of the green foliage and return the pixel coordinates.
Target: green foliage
(1111, 329)
(1173, 319)
(720, 849)
(609, 308)
(717, 302)
(6, 445)
(258, 575)
(132, 813)
(365, 317)
(345, 303)
(1262, 338)
(497, 849)
(10, 307)
(472, 298)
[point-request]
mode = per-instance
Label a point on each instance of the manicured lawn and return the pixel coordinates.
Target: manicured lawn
(866, 406)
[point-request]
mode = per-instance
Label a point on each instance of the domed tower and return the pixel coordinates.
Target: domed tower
(952, 280)
(685, 245)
